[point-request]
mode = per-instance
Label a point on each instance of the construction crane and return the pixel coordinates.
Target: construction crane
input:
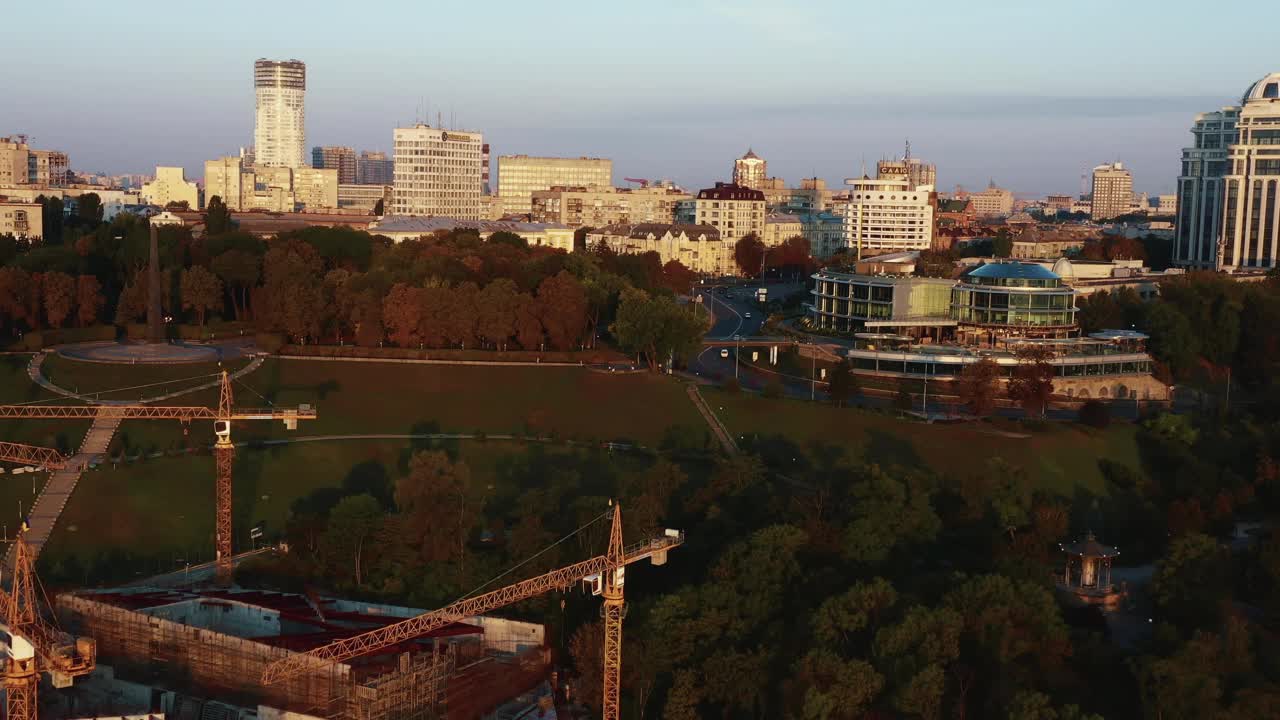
(41, 457)
(34, 645)
(605, 573)
(642, 182)
(222, 417)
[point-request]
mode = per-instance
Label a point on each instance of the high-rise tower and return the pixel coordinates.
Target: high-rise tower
(279, 129)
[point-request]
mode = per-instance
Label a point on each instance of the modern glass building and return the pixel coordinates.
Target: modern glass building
(996, 298)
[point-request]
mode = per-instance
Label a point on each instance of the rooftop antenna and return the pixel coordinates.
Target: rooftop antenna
(907, 156)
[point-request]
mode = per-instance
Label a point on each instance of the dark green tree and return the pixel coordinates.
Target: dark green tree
(217, 217)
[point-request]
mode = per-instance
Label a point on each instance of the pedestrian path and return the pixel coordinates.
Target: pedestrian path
(721, 432)
(36, 374)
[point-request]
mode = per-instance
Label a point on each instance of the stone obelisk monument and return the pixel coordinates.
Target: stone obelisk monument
(155, 315)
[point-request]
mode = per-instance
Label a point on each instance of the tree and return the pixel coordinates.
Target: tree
(562, 307)
(748, 254)
(89, 300)
(496, 322)
(1002, 244)
(51, 220)
(1192, 581)
(1032, 381)
(217, 217)
(352, 523)
(442, 505)
(239, 270)
(978, 385)
(656, 326)
(886, 513)
(843, 384)
(201, 292)
(528, 329)
(89, 210)
(1095, 414)
(837, 688)
(677, 277)
(502, 237)
(402, 314)
(1173, 342)
(59, 297)
(378, 208)
(15, 290)
(292, 272)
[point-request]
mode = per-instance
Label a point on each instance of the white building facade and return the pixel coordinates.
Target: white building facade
(697, 247)
(1112, 192)
(750, 171)
(438, 172)
(519, 176)
(1251, 204)
(889, 215)
(170, 186)
(279, 128)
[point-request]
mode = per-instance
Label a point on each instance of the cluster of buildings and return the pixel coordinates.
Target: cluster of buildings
(1228, 213)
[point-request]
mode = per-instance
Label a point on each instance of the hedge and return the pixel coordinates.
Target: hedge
(601, 355)
(38, 339)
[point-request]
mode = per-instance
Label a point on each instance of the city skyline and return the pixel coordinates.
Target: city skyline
(1035, 126)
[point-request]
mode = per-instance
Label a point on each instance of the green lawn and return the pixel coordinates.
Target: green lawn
(1059, 458)
(16, 388)
(16, 493)
(162, 509)
(92, 377)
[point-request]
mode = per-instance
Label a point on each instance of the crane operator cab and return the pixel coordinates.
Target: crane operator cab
(222, 429)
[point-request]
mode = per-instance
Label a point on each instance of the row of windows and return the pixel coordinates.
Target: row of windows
(1080, 369)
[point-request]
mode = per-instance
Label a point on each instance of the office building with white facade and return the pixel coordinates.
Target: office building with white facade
(887, 215)
(1251, 187)
(170, 186)
(279, 128)
(519, 176)
(1198, 222)
(438, 173)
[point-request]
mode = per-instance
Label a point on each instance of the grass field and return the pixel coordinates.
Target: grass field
(1059, 458)
(162, 509)
(145, 380)
(16, 388)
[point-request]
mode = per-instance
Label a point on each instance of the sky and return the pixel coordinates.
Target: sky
(1030, 94)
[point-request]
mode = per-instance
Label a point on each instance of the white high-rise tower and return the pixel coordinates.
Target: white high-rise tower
(279, 129)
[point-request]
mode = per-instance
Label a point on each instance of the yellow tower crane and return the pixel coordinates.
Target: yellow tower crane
(606, 574)
(224, 451)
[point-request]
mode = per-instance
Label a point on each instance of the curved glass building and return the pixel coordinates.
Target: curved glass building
(1025, 297)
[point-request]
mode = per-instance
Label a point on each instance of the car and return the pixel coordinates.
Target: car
(724, 352)
(746, 315)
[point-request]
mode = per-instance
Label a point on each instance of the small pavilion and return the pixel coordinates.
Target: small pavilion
(1088, 571)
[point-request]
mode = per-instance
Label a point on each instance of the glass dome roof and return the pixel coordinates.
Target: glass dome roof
(1012, 271)
(1268, 88)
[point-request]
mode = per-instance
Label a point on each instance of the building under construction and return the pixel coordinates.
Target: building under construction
(202, 653)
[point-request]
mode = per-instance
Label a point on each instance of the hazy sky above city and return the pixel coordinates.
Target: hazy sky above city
(1030, 94)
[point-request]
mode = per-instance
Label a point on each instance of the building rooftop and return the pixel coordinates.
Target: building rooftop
(729, 191)
(431, 224)
(1268, 88)
(1089, 547)
(1012, 271)
(644, 230)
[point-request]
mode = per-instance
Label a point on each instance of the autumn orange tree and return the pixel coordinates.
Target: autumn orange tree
(1032, 381)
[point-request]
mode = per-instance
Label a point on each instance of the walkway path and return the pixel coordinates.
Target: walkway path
(721, 432)
(48, 506)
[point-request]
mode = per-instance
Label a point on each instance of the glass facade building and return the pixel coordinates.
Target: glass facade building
(1013, 295)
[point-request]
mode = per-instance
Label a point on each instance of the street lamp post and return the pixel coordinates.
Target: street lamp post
(737, 352)
(813, 373)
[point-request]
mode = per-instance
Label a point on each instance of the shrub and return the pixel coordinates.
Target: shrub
(1094, 413)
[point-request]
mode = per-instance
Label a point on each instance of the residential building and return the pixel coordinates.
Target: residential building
(825, 233)
(21, 219)
(750, 171)
(519, 176)
(1251, 230)
(955, 214)
(993, 202)
(161, 219)
(401, 228)
(811, 197)
(888, 215)
(1167, 205)
(600, 206)
(226, 179)
(333, 157)
(1112, 194)
(279, 129)
(698, 247)
(734, 210)
(363, 198)
(315, 188)
(374, 168)
(438, 172)
(780, 227)
(171, 186)
(1198, 223)
(20, 165)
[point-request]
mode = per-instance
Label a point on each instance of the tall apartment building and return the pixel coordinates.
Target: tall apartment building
(438, 172)
(992, 202)
(1112, 194)
(750, 171)
(20, 165)
(333, 157)
(1251, 208)
(374, 168)
(226, 178)
(1198, 223)
(887, 215)
(519, 176)
(171, 186)
(600, 206)
(734, 210)
(279, 128)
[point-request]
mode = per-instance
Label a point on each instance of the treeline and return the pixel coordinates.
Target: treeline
(331, 285)
(1204, 326)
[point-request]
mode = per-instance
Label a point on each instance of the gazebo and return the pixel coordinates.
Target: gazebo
(1088, 571)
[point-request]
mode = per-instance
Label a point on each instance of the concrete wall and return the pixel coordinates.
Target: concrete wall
(222, 616)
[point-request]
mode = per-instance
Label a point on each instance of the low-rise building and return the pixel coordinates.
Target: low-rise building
(780, 227)
(992, 202)
(363, 198)
(21, 219)
(404, 227)
(171, 186)
(697, 247)
(601, 206)
(20, 165)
